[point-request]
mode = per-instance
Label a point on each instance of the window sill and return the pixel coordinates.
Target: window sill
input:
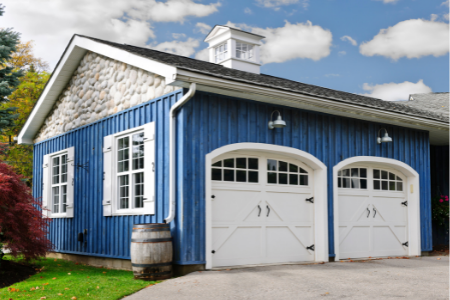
(58, 216)
(130, 212)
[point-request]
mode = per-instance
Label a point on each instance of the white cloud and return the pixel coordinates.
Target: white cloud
(446, 3)
(349, 39)
(433, 17)
(186, 48)
(178, 35)
(396, 91)
(275, 4)
(388, 1)
(202, 55)
(203, 28)
(301, 40)
(248, 11)
(342, 53)
(446, 17)
(412, 39)
(51, 24)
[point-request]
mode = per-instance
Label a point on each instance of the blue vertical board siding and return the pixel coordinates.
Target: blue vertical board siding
(107, 236)
(210, 121)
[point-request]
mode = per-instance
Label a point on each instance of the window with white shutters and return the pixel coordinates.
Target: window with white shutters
(58, 181)
(129, 172)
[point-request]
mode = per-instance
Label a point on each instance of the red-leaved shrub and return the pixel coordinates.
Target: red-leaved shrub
(23, 230)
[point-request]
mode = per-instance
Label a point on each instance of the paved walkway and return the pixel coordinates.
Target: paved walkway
(415, 278)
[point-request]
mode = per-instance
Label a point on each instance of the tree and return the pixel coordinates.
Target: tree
(9, 79)
(24, 59)
(22, 228)
(23, 98)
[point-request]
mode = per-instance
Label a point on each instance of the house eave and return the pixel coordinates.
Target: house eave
(439, 130)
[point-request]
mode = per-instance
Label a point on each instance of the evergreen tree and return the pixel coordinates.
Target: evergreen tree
(9, 79)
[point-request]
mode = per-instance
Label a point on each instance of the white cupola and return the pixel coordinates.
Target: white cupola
(234, 48)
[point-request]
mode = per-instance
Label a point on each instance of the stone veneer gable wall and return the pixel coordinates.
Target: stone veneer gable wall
(100, 87)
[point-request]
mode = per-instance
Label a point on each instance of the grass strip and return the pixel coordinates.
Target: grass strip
(61, 279)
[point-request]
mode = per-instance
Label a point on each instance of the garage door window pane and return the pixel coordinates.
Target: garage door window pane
(271, 165)
(241, 176)
(216, 174)
(271, 177)
(392, 185)
(241, 163)
(376, 174)
(355, 183)
(384, 185)
(354, 172)
(228, 175)
(303, 179)
(282, 166)
(399, 186)
(253, 163)
(363, 183)
(363, 173)
(293, 168)
(253, 177)
(384, 175)
(293, 179)
(376, 184)
(282, 178)
(228, 163)
(217, 164)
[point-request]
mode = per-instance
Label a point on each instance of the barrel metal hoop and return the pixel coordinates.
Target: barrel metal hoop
(151, 240)
(154, 274)
(149, 230)
(151, 265)
(136, 226)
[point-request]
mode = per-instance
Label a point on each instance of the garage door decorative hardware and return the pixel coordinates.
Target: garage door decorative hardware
(310, 200)
(259, 210)
(405, 203)
(310, 247)
(268, 210)
(214, 251)
(213, 196)
(374, 212)
(368, 212)
(405, 244)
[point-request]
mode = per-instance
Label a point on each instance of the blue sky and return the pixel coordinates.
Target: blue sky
(409, 56)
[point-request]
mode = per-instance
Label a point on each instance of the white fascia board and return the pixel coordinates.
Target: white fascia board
(439, 130)
(68, 64)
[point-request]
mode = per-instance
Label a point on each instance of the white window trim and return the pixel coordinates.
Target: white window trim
(111, 188)
(47, 194)
(224, 53)
(250, 53)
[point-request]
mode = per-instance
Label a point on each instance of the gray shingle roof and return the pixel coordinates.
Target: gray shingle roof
(435, 102)
(217, 70)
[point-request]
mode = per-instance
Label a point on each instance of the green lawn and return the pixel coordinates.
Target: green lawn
(60, 279)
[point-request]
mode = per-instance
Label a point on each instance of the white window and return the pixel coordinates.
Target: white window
(244, 51)
(129, 172)
(57, 195)
(221, 52)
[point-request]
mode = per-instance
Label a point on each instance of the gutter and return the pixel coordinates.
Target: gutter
(172, 143)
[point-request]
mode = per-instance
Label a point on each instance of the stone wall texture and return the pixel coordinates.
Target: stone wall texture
(100, 87)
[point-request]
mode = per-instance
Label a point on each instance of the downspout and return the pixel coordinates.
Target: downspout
(172, 142)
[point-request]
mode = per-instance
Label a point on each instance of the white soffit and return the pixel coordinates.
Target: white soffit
(439, 131)
(63, 72)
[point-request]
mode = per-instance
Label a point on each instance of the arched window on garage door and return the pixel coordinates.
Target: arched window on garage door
(236, 169)
(281, 172)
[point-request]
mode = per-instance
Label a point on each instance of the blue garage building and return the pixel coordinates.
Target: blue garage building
(247, 168)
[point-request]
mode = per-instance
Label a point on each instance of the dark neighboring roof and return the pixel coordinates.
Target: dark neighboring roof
(434, 102)
(217, 70)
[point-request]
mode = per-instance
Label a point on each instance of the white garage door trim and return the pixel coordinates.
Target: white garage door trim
(412, 193)
(319, 192)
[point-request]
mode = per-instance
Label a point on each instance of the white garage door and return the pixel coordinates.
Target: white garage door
(372, 212)
(259, 210)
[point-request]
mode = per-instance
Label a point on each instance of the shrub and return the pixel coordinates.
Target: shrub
(23, 230)
(440, 210)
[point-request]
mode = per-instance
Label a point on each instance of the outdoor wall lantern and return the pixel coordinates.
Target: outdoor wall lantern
(278, 123)
(385, 139)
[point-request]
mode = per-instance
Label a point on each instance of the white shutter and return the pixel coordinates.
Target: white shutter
(149, 168)
(46, 201)
(107, 174)
(70, 181)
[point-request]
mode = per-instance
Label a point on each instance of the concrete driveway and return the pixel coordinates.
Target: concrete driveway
(415, 278)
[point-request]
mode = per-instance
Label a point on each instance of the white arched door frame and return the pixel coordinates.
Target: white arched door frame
(319, 190)
(412, 193)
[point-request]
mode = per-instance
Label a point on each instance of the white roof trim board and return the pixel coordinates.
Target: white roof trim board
(211, 77)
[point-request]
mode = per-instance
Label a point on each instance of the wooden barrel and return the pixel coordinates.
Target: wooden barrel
(151, 251)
